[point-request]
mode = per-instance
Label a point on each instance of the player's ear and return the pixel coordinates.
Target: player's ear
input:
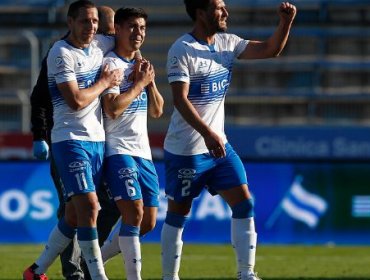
(69, 22)
(116, 29)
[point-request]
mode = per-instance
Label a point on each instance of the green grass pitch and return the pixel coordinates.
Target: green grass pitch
(218, 262)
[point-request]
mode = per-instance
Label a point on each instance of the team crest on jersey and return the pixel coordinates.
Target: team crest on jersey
(59, 61)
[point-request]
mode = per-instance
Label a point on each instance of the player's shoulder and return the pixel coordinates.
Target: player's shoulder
(113, 60)
(223, 36)
(60, 47)
(183, 43)
(111, 55)
(229, 41)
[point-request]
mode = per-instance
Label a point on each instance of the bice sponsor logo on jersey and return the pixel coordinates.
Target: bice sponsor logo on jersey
(215, 86)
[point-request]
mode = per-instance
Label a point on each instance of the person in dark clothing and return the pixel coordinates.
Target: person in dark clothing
(42, 122)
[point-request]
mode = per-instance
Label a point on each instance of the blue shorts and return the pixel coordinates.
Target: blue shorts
(79, 164)
(132, 178)
(186, 176)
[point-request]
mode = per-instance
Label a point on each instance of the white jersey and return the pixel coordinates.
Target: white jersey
(207, 69)
(127, 134)
(67, 63)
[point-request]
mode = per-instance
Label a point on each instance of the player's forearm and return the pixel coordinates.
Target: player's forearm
(155, 101)
(192, 117)
(78, 99)
(82, 99)
(116, 105)
(276, 43)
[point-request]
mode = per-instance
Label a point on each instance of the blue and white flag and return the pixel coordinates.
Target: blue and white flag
(303, 205)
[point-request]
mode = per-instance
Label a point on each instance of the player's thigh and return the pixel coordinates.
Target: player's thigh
(235, 195)
(180, 208)
(87, 207)
(132, 211)
(229, 178)
(186, 176)
(228, 173)
(121, 174)
(148, 180)
(73, 160)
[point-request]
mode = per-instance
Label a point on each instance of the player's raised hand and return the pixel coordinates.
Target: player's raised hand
(146, 73)
(111, 78)
(287, 12)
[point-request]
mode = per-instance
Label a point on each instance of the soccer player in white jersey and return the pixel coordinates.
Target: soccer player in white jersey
(128, 167)
(76, 82)
(197, 153)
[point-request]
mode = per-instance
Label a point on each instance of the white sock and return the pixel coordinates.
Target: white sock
(110, 247)
(91, 252)
(57, 242)
(244, 241)
(171, 251)
(131, 252)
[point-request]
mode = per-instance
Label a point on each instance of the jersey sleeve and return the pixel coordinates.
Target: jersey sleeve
(61, 65)
(177, 64)
(239, 44)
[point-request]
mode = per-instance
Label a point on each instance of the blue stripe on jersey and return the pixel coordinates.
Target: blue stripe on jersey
(87, 79)
(139, 104)
(84, 80)
(177, 75)
(214, 75)
(56, 97)
(209, 89)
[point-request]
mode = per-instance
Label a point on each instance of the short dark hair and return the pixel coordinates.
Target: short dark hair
(123, 14)
(75, 6)
(193, 5)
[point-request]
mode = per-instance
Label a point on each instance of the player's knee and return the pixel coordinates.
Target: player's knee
(66, 228)
(88, 211)
(70, 219)
(132, 215)
(244, 209)
(137, 215)
(94, 208)
(129, 230)
(176, 220)
(147, 226)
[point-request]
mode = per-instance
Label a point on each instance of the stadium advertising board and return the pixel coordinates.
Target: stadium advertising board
(309, 203)
(328, 143)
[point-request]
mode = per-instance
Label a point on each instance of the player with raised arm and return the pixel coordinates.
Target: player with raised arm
(197, 153)
(75, 83)
(128, 167)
